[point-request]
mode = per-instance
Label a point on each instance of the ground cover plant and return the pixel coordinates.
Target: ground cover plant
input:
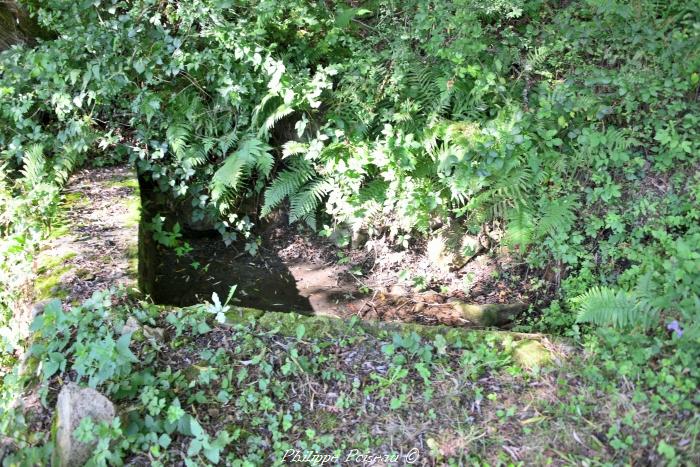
(562, 134)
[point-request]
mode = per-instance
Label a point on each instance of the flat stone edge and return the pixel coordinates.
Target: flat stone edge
(287, 324)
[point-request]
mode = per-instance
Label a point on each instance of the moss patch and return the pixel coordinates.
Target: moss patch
(133, 255)
(47, 263)
(530, 354)
(60, 227)
(59, 230)
(130, 182)
(50, 270)
(48, 285)
(133, 206)
(326, 421)
(74, 199)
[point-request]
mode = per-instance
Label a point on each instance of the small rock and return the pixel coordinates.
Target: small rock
(432, 297)
(420, 306)
(157, 334)
(359, 238)
(7, 445)
(398, 290)
(131, 326)
(73, 405)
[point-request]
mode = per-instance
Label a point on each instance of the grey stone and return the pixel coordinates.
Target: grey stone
(131, 326)
(75, 404)
(359, 239)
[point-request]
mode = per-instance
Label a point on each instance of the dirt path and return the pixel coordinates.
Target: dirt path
(95, 245)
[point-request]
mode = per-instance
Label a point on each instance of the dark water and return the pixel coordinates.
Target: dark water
(262, 282)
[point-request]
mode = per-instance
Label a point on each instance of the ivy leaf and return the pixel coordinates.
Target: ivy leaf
(164, 440)
(195, 428)
(195, 447)
(56, 359)
(440, 344)
(301, 330)
(212, 453)
(139, 66)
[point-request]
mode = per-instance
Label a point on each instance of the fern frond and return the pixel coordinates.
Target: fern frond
(292, 148)
(195, 156)
(177, 135)
(607, 306)
(557, 216)
(64, 165)
(304, 202)
(252, 152)
(264, 162)
(278, 114)
(227, 141)
(228, 176)
(519, 230)
(34, 165)
(287, 183)
(536, 58)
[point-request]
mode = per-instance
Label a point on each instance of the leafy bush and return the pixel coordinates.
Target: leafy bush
(570, 127)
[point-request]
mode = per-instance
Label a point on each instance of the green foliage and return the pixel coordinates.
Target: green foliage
(252, 153)
(606, 306)
(569, 129)
(290, 183)
(169, 403)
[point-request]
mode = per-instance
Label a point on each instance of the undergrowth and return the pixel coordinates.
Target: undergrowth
(565, 132)
(202, 393)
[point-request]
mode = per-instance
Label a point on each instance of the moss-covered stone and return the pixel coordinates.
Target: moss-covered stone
(489, 314)
(132, 201)
(74, 199)
(127, 182)
(50, 270)
(323, 326)
(133, 216)
(85, 274)
(530, 353)
(133, 255)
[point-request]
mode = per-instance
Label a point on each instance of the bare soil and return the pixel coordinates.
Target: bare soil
(94, 247)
